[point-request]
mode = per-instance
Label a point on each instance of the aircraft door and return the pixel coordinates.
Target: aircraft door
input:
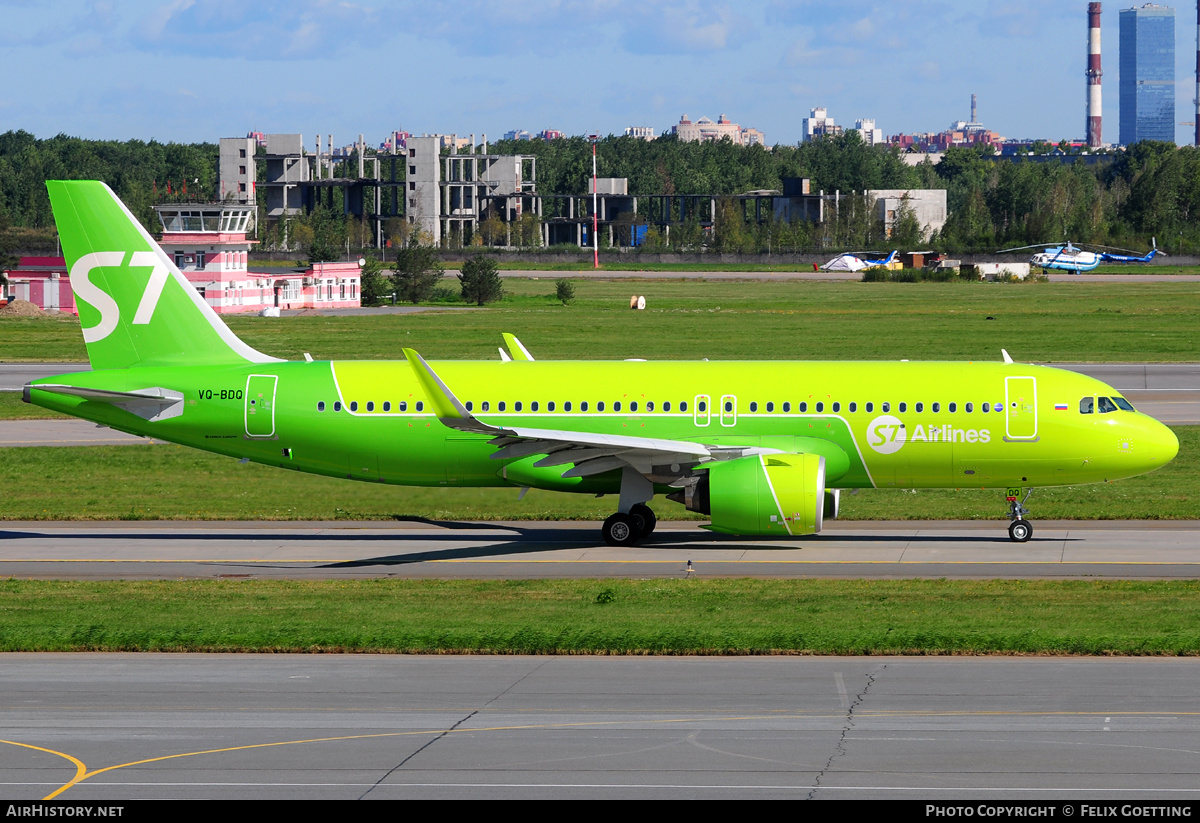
(700, 409)
(260, 405)
(1020, 408)
(728, 410)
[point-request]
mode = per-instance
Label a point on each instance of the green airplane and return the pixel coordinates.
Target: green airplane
(763, 448)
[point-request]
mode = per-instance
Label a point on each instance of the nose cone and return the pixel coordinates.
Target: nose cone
(1161, 444)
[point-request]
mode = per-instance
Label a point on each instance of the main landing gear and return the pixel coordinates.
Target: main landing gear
(634, 519)
(628, 529)
(1020, 529)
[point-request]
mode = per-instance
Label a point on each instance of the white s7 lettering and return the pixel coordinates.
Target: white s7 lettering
(92, 294)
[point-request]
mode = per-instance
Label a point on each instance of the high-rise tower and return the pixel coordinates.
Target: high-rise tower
(1147, 74)
(1093, 77)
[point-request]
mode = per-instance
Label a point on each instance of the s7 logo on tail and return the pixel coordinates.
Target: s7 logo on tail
(103, 302)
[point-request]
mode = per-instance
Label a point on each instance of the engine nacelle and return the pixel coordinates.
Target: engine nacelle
(773, 494)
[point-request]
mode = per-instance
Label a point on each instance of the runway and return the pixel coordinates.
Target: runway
(122, 727)
(531, 550)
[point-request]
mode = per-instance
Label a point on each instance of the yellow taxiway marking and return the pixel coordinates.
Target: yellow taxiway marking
(82, 773)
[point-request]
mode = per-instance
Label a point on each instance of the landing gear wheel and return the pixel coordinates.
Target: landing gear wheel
(621, 530)
(1019, 531)
(649, 521)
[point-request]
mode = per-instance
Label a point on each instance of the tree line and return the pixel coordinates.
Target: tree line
(1150, 190)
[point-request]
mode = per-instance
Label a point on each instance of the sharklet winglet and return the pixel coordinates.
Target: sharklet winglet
(515, 347)
(446, 406)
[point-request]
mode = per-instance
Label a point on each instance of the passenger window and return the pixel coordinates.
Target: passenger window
(649, 405)
(501, 406)
(837, 407)
(984, 408)
(337, 406)
(633, 406)
(567, 406)
(787, 407)
(953, 408)
(887, 407)
(820, 407)
(485, 406)
(683, 405)
(803, 406)
(617, 406)
(470, 405)
(533, 406)
(550, 406)
(320, 405)
(403, 405)
(903, 407)
(667, 405)
(753, 405)
(870, 408)
(1107, 405)
(517, 405)
(387, 405)
(970, 407)
(920, 407)
(770, 406)
(420, 405)
(370, 405)
(583, 406)
(353, 405)
(853, 407)
(703, 406)
(600, 406)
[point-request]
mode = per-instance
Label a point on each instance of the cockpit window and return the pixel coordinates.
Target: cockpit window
(1085, 405)
(1106, 405)
(1123, 404)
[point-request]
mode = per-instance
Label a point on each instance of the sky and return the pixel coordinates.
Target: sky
(198, 70)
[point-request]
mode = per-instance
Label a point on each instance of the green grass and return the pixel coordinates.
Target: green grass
(177, 483)
(13, 408)
(689, 319)
(697, 616)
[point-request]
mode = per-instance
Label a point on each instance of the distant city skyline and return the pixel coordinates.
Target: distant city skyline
(199, 70)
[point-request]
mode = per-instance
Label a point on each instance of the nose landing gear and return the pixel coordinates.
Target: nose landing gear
(1020, 529)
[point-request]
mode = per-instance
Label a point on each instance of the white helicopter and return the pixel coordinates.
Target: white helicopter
(849, 261)
(1072, 258)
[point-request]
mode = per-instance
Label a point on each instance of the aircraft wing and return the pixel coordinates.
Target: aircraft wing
(151, 404)
(589, 452)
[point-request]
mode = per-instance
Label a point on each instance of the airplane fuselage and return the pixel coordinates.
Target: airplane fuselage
(908, 425)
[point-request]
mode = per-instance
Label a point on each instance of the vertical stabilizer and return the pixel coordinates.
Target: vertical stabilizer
(135, 306)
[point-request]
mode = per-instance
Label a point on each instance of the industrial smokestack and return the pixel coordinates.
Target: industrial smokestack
(1093, 77)
(975, 112)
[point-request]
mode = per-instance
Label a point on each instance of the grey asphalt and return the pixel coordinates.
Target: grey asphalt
(537, 550)
(410, 727)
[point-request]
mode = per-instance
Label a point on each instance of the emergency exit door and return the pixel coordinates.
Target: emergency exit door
(260, 405)
(1020, 408)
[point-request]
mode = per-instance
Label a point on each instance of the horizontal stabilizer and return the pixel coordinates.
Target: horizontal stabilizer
(151, 404)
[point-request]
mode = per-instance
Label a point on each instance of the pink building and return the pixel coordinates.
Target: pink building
(42, 281)
(209, 246)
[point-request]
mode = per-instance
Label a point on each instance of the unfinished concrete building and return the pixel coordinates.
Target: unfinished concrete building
(448, 196)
